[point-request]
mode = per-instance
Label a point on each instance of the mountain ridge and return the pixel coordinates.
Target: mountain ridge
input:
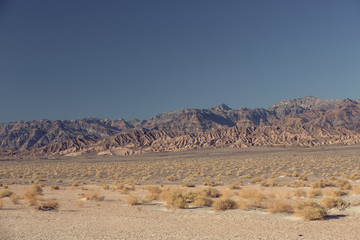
(57, 135)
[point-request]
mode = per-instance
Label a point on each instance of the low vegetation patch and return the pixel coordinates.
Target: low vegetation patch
(132, 200)
(310, 211)
(224, 204)
(203, 201)
(5, 193)
(330, 202)
(279, 206)
(47, 205)
(174, 199)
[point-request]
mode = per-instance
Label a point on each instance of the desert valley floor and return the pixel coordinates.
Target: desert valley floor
(180, 195)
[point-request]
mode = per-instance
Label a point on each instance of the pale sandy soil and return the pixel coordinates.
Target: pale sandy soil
(113, 219)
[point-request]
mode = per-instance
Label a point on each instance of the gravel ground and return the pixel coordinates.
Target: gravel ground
(113, 219)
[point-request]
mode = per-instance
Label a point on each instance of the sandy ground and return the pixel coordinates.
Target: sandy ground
(113, 219)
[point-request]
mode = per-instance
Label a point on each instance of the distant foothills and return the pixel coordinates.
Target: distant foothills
(300, 122)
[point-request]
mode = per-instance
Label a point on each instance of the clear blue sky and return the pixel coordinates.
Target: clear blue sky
(72, 59)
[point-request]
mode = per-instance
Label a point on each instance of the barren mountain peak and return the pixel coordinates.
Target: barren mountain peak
(222, 107)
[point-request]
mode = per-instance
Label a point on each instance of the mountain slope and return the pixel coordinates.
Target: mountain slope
(162, 141)
(59, 135)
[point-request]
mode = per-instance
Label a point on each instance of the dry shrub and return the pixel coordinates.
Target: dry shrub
(269, 183)
(75, 184)
(174, 198)
(47, 205)
(14, 198)
(242, 204)
(171, 178)
(227, 194)
(211, 192)
(5, 193)
(256, 180)
(279, 206)
(203, 201)
(299, 193)
(119, 185)
(318, 184)
(212, 183)
(283, 193)
(153, 193)
(55, 187)
(329, 202)
(191, 196)
(132, 200)
(235, 186)
(224, 204)
(334, 192)
(343, 184)
(310, 211)
(303, 177)
(251, 193)
(153, 189)
(297, 184)
(187, 184)
(339, 193)
(31, 194)
(314, 193)
(125, 190)
(92, 196)
(253, 197)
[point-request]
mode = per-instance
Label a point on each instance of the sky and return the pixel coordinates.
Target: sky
(74, 59)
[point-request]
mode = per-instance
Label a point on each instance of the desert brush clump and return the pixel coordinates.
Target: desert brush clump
(334, 192)
(331, 202)
(235, 186)
(279, 206)
(5, 193)
(92, 196)
(188, 184)
(252, 197)
(299, 193)
(310, 210)
(314, 193)
(54, 187)
(132, 200)
(192, 195)
(31, 195)
(269, 183)
(297, 184)
(174, 198)
(47, 205)
(203, 201)
(14, 198)
(211, 192)
(153, 193)
(224, 204)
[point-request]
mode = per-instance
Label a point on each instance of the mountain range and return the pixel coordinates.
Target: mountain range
(307, 121)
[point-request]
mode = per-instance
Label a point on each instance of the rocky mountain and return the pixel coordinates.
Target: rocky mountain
(26, 135)
(315, 121)
(162, 141)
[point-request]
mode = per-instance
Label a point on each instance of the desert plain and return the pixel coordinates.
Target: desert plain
(250, 193)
